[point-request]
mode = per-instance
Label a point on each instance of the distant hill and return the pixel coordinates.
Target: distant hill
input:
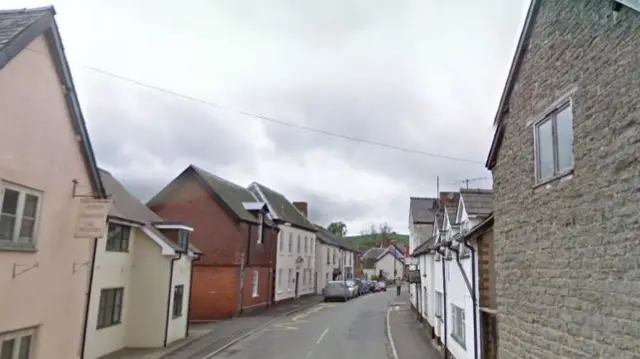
(366, 241)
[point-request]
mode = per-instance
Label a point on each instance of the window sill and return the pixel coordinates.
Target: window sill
(14, 247)
(177, 316)
(115, 251)
(255, 295)
(565, 175)
(459, 341)
(108, 326)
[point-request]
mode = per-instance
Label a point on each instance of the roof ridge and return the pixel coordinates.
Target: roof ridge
(48, 8)
(220, 178)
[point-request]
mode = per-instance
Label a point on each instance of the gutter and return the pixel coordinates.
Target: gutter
(168, 315)
(474, 298)
(444, 304)
(87, 305)
(196, 259)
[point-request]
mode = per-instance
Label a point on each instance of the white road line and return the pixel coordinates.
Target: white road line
(309, 355)
(322, 336)
(390, 337)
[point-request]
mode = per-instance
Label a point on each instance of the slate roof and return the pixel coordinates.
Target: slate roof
(280, 207)
(424, 248)
(477, 202)
(127, 207)
(451, 214)
(328, 237)
(230, 195)
(18, 28)
(423, 209)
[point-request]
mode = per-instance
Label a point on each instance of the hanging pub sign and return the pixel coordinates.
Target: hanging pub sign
(413, 275)
(92, 218)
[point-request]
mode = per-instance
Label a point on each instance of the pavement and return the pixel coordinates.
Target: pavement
(408, 339)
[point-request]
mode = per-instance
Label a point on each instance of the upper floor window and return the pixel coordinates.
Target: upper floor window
(554, 144)
(328, 256)
(18, 215)
(306, 244)
(298, 246)
(281, 241)
(290, 242)
(183, 239)
(118, 238)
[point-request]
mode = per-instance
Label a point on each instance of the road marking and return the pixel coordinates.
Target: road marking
(322, 335)
(392, 344)
(284, 327)
(309, 355)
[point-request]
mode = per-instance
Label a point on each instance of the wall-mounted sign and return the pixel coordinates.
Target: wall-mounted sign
(413, 276)
(92, 218)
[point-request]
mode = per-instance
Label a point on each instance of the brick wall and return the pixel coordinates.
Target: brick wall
(249, 302)
(214, 293)
(567, 254)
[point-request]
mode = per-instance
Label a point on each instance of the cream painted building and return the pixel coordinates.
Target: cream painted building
(142, 278)
(46, 163)
(335, 258)
(295, 252)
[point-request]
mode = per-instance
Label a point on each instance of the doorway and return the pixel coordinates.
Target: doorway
(296, 290)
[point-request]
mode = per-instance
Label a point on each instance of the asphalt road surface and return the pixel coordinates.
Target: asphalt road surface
(326, 331)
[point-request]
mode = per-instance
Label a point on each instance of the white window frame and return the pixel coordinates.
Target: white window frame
(551, 116)
(290, 243)
(281, 242)
(458, 327)
(439, 303)
(18, 336)
(298, 248)
(289, 280)
(256, 283)
(22, 192)
(280, 275)
(260, 228)
(306, 244)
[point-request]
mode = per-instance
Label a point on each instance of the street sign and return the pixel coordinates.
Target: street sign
(413, 276)
(413, 267)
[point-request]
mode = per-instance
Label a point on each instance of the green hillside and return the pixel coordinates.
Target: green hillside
(366, 241)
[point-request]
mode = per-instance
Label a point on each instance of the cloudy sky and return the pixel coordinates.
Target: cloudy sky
(420, 75)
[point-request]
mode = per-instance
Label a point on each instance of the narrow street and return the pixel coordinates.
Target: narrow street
(325, 331)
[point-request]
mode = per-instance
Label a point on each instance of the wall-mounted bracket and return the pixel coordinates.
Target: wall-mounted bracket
(19, 269)
(77, 266)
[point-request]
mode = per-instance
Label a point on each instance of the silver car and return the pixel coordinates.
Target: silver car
(336, 290)
(353, 288)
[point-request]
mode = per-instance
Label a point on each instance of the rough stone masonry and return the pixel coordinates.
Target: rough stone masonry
(568, 252)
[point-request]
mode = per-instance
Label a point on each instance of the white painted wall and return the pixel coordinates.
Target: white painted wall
(181, 276)
(324, 269)
(386, 264)
(286, 262)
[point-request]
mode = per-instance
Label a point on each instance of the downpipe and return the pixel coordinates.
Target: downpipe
(474, 298)
(444, 303)
(168, 314)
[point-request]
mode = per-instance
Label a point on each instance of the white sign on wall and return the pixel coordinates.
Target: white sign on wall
(92, 218)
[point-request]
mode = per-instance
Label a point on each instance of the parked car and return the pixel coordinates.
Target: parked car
(381, 286)
(353, 288)
(367, 287)
(336, 290)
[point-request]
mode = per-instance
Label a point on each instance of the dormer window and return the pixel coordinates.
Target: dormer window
(183, 239)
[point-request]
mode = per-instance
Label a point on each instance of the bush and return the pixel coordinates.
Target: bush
(374, 278)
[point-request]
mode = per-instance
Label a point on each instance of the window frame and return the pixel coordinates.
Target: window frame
(290, 243)
(279, 280)
(298, 245)
(23, 191)
(182, 234)
(260, 228)
(281, 242)
(255, 284)
(113, 245)
(104, 311)
(17, 337)
(178, 301)
(552, 116)
(289, 279)
(439, 305)
(458, 327)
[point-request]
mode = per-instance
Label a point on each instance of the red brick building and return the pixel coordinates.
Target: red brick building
(238, 242)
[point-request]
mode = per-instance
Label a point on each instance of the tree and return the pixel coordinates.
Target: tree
(377, 233)
(338, 228)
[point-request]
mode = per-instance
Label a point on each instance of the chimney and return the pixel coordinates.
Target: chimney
(303, 207)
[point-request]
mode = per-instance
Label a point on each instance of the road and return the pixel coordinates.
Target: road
(326, 331)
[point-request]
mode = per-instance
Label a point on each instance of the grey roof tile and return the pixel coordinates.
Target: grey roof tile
(13, 22)
(281, 208)
(477, 201)
(423, 209)
(451, 214)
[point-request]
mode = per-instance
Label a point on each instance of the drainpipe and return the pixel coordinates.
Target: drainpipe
(85, 328)
(168, 315)
(444, 304)
(474, 298)
(195, 259)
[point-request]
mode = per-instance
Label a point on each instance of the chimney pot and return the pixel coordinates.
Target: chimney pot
(303, 207)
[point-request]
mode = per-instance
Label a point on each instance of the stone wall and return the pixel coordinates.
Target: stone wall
(568, 281)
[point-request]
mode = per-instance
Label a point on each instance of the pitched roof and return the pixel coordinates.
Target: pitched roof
(422, 209)
(451, 214)
(18, 28)
(503, 105)
(229, 195)
(424, 248)
(127, 207)
(328, 237)
(280, 208)
(477, 201)
(392, 251)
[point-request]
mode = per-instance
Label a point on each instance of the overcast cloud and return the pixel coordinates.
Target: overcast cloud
(424, 75)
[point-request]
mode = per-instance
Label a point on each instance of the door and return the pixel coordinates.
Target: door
(296, 290)
(315, 280)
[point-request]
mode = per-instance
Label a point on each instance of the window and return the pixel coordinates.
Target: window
(281, 241)
(554, 144)
(289, 279)
(326, 277)
(304, 277)
(18, 216)
(425, 300)
(439, 302)
(334, 256)
(306, 244)
(17, 345)
(260, 228)
(328, 255)
(280, 274)
(183, 239)
(290, 242)
(458, 331)
(298, 246)
(256, 278)
(110, 308)
(178, 298)
(118, 238)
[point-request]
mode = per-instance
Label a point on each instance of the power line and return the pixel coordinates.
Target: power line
(274, 120)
